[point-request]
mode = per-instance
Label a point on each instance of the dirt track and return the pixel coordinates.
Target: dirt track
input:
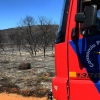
(4, 96)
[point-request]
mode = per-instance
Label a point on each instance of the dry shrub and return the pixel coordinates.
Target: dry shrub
(9, 88)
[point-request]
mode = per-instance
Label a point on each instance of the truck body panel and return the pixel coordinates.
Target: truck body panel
(77, 63)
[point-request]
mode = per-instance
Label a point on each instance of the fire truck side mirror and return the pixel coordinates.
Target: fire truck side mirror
(88, 18)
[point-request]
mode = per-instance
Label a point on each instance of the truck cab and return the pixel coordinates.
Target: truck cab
(77, 52)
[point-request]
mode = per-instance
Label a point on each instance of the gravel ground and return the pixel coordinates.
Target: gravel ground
(31, 82)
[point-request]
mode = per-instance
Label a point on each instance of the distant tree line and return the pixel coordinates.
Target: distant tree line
(31, 35)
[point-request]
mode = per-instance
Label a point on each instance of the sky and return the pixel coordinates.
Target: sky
(12, 11)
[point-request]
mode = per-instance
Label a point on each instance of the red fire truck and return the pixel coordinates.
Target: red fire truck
(77, 52)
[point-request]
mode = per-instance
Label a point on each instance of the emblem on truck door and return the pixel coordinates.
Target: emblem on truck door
(87, 50)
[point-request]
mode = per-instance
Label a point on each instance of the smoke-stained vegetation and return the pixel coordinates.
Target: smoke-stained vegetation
(30, 43)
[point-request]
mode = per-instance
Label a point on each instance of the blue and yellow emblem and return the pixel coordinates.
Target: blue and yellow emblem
(88, 51)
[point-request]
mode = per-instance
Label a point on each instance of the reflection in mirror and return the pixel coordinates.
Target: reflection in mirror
(98, 20)
(98, 13)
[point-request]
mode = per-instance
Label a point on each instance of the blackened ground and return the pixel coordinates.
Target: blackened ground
(35, 81)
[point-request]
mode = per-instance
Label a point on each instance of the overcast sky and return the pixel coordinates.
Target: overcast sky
(12, 11)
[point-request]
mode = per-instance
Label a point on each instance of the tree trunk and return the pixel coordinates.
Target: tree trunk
(19, 50)
(52, 48)
(44, 51)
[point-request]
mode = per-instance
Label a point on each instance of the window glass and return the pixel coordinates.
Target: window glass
(62, 27)
(98, 13)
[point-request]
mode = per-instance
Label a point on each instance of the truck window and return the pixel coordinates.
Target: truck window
(62, 27)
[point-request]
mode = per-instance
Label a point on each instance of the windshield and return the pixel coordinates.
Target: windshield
(62, 27)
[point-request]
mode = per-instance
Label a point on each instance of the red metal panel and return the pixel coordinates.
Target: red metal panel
(61, 66)
(59, 88)
(80, 89)
(66, 60)
(83, 90)
(60, 60)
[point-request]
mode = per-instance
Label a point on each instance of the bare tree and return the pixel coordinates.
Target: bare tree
(36, 36)
(2, 40)
(16, 38)
(46, 28)
(27, 24)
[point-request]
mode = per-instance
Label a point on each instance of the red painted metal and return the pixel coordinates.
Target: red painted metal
(61, 66)
(66, 60)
